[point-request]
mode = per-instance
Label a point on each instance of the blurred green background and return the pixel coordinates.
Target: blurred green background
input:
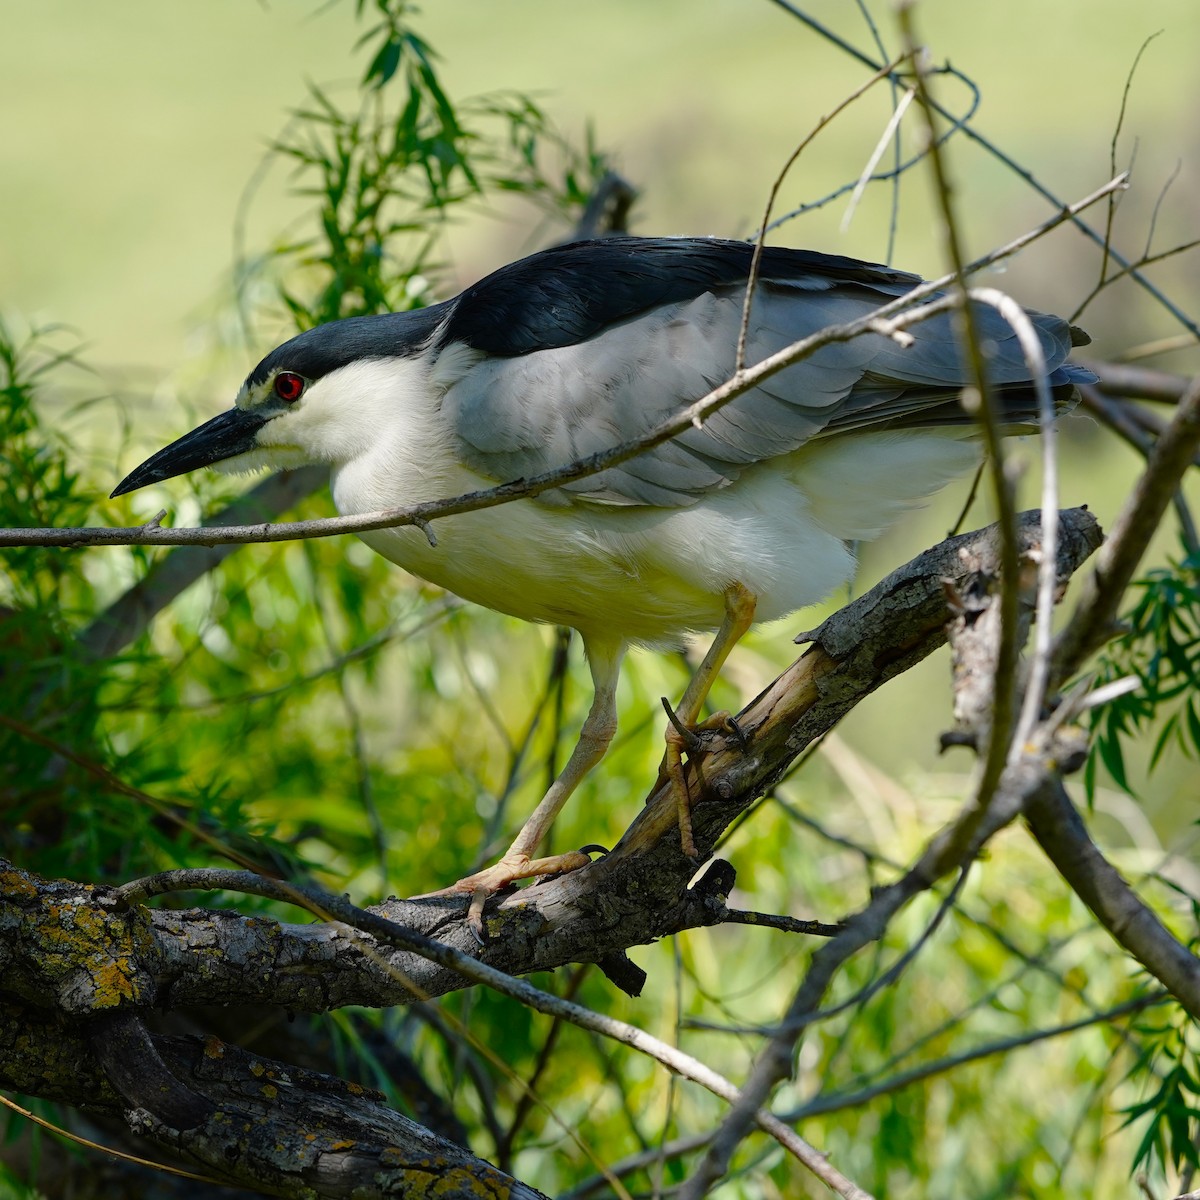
(129, 135)
(130, 130)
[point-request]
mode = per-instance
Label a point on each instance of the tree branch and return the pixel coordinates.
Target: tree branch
(1061, 833)
(241, 1118)
(634, 895)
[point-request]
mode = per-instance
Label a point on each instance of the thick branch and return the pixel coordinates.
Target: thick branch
(81, 952)
(239, 1117)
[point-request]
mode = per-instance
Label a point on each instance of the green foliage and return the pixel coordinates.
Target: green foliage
(273, 652)
(41, 486)
(1161, 650)
(386, 172)
(1168, 1067)
(47, 688)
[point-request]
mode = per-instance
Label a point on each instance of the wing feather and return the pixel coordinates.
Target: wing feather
(625, 336)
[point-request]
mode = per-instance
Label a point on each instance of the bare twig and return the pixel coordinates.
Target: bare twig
(738, 916)
(1110, 215)
(111, 1151)
(760, 240)
(1004, 695)
(888, 135)
(838, 1102)
(1156, 346)
(1008, 161)
(894, 174)
(1035, 360)
(1145, 260)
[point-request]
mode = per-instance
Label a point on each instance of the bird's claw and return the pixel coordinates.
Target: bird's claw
(687, 737)
(503, 876)
(698, 740)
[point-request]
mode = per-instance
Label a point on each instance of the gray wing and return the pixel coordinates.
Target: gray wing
(521, 415)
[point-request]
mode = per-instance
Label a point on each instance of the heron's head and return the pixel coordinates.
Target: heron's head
(318, 398)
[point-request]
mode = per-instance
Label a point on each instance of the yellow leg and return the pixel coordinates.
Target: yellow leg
(594, 737)
(739, 616)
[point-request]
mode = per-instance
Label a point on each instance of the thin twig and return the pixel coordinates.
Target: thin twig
(111, 1151)
(1110, 216)
(1152, 224)
(888, 134)
(894, 207)
(1146, 260)
(838, 1102)
(760, 240)
(894, 174)
(1035, 360)
(739, 916)
(1004, 690)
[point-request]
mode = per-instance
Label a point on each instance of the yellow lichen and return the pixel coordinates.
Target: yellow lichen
(16, 885)
(112, 982)
(460, 1181)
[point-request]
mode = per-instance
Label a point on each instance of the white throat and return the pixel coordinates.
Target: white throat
(381, 419)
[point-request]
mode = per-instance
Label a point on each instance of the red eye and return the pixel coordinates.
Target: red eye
(288, 386)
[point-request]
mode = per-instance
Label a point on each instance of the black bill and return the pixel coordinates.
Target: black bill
(225, 436)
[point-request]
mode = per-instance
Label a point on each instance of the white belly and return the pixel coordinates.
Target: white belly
(650, 575)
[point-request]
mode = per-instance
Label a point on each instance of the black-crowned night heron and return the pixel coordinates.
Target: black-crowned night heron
(747, 517)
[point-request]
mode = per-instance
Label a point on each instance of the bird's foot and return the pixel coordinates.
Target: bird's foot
(503, 874)
(696, 740)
